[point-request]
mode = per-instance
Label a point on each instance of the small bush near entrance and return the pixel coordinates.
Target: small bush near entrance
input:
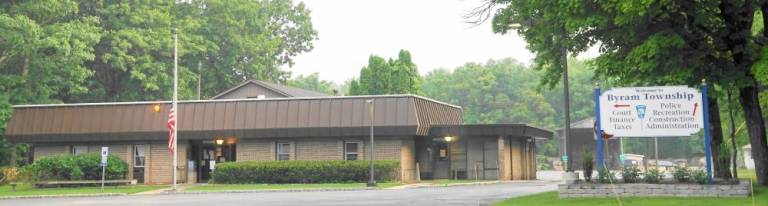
(587, 163)
(75, 167)
(682, 174)
(605, 176)
(699, 176)
(630, 174)
(300, 171)
(653, 176)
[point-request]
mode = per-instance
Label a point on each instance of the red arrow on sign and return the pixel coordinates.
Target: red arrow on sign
(695, 106)
(621, 105)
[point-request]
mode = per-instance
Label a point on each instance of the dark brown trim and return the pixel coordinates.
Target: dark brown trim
(493, 130)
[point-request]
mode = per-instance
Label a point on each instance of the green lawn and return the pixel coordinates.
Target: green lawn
(28, 190)
(225, 187)
(551, 198)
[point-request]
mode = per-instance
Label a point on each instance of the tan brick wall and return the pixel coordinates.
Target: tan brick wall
(319, 149)
(157, 169)
(49, 150)
(408, 160)
(119, 150)
(316, 149)
(255, 149)
(385, 149)
(505, 160)
(60, 149)
(517, 159)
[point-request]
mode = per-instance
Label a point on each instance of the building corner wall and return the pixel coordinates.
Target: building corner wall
(408, 160)
(158, 169)
(505, 161)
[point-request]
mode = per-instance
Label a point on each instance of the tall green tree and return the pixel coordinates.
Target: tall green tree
(312, 82)
(235, 40)
(44, 47)
(221, 43)
(675, 42)
(393, 76)
(54, 51)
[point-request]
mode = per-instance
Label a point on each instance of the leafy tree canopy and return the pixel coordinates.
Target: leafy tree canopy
(393, 76)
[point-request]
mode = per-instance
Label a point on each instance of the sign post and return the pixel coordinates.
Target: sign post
(708, 148)
(104, 155)
(664, 111)
(598, 130)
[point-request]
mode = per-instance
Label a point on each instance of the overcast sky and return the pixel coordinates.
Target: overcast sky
(433, 30)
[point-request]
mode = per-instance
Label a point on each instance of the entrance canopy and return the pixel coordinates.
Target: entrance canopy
(475, 130)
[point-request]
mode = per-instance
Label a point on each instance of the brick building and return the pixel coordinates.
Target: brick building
(268, 122)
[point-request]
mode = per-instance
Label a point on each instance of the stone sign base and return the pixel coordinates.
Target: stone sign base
(582, 189)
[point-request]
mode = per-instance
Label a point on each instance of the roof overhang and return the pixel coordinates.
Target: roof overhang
(395, 115)
(475, 130)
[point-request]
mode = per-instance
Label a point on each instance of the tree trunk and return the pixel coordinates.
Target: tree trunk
(720, 161)
(732, 134)
(748, 97)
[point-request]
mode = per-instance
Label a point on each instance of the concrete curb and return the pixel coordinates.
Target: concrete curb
(63, 196)
(270, 190)
(469, 183)
(454, 184)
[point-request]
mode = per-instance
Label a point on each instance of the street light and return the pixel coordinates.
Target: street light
(371, 181)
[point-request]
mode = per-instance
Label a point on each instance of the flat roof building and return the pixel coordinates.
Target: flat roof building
(262, 121)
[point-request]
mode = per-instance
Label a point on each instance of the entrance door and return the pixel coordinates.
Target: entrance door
(207, 154)
(490, 160)
(442, 166)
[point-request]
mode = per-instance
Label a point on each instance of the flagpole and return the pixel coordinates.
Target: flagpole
(175, 101)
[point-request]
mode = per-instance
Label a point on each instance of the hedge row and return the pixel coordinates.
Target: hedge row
(76, 167)
(300, 171)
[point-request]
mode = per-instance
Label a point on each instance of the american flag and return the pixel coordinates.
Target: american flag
(171, 127)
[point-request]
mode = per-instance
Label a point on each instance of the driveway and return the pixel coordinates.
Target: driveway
(455, 195)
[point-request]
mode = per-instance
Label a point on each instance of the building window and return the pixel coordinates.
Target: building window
(139, 152)
(351, 150)
(283, 151)
(79, 149)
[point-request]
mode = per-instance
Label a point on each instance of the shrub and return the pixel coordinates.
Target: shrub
(76, 167)
(587, 164)
(653, 176)
(699, 176)
(605, 176)
(681, 174)
(630, 174)
(300, 171)
(542, 163)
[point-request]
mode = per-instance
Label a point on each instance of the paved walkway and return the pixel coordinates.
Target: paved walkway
(455, 195)
(179, 187)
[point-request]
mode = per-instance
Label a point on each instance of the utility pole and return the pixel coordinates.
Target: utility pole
(567, 102)
(372, 181)
(199, 77)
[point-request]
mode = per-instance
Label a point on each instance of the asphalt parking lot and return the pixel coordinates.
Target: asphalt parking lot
(453, 195)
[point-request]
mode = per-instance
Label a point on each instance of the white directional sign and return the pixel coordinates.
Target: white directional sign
(651, 111)
(104, 154)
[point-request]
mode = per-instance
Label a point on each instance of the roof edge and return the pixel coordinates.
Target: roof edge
(230, 100)
(246, 82)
